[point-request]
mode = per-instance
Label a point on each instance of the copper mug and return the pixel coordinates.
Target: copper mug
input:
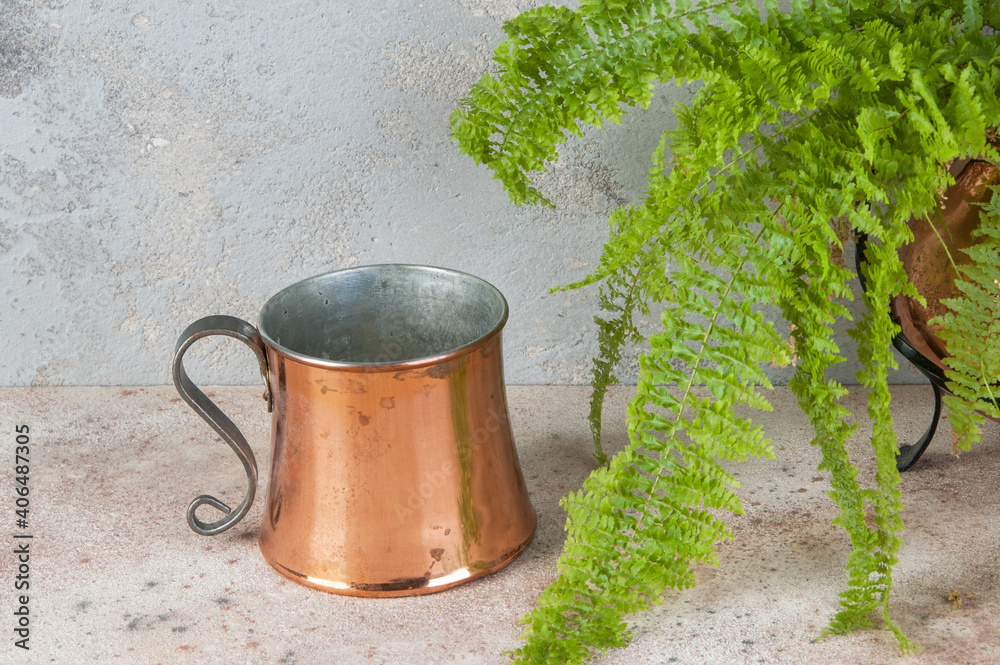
(393, 468)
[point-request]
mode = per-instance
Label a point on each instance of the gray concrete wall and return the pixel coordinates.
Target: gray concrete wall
(166, 160)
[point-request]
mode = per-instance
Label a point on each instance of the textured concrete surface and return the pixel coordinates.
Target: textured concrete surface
(118, 577)
(167, 160)
(162, 161)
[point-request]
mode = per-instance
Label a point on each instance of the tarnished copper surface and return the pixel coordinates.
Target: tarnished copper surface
(926, 259)
(392, 482)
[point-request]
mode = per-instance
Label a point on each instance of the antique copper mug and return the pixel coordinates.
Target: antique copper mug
(393, 467)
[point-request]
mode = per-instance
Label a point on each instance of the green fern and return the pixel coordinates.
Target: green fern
(833, 110)
(972, 325)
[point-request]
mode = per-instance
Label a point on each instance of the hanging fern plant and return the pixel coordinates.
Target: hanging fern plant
(832, 114)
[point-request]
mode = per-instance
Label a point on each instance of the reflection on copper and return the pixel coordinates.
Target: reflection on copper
(391, 482)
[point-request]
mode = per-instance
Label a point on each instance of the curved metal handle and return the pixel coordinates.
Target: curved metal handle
(213, 415)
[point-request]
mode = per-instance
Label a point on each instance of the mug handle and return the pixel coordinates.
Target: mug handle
(213, 415)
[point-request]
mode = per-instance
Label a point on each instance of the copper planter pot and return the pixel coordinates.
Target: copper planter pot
(393, 466)
(929, 269)
(926, 259)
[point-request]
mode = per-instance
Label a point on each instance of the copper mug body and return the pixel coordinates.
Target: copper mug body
(393, 468)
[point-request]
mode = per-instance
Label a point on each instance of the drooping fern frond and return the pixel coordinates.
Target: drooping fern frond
(868, 591)
(558, 73)
(625, 295)
(833, 110)
(637, 526)
(973, 325)
(612, 335)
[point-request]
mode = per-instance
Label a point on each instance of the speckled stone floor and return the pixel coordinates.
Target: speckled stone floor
(117, 576)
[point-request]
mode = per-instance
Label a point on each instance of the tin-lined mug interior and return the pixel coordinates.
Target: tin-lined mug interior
(382, 314)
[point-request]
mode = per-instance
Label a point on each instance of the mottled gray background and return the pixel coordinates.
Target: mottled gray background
(163, 161)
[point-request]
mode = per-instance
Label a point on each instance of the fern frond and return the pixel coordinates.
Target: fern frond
(833, 110)
(612, 335)
(557, 74)
(638, 525)
(972, 331)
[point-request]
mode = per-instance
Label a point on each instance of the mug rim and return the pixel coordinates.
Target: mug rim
(390, 365)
